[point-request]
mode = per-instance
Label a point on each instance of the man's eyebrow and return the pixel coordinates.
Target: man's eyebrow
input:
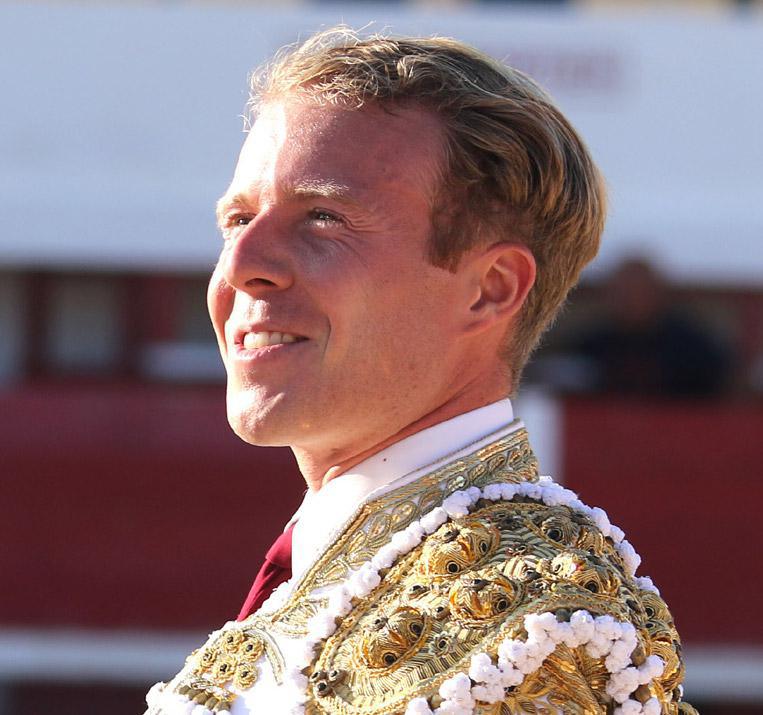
(306, 189)
(225, 202)
(325, 189)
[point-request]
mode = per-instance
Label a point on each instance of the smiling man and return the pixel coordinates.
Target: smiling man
(405, 219)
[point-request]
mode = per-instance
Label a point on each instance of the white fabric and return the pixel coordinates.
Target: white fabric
(324, 513)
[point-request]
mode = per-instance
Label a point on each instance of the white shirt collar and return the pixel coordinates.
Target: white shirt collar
(322, 514)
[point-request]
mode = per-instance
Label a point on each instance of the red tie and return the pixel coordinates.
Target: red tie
(275, 570)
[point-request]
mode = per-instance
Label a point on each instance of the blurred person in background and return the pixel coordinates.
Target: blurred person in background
(405, 219)
(644, 346)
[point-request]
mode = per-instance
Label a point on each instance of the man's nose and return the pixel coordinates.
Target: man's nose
(257, 258)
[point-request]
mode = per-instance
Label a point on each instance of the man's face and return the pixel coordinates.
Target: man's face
(334, 327)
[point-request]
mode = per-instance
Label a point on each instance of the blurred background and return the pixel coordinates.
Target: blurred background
(133, 521)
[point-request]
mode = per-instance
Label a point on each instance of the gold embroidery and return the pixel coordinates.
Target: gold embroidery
(467, 588)
(201, 691)
(464, 590)
(584, 570)
(230, 659)
(570, 682)
(507, 460)
(390, 638)
(663, 639)
(470, 592)
(561, 526)
(483, 596)
(456, 548)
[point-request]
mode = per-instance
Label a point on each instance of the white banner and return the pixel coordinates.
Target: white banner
(120, 124)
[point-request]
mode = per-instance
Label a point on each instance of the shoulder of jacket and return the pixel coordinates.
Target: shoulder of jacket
(512, 581)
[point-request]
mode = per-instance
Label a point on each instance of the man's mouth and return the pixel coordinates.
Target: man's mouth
(252, 341)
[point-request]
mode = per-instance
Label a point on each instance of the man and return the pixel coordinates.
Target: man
(405, 219)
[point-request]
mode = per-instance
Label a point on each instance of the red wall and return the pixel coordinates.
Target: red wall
(133, 507)
(685, 481)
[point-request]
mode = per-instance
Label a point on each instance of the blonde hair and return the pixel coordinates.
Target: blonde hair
(514, 168)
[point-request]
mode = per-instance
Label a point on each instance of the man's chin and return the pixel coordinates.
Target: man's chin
(256, 432)
(257, 422)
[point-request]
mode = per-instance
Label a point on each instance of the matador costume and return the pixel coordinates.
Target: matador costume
(444, 575)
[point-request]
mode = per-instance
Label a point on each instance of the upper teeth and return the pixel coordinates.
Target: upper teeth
(260, 340)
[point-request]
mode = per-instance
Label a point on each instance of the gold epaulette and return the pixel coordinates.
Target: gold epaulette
(467, 589)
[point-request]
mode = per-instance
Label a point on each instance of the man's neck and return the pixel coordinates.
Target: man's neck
(319, 471)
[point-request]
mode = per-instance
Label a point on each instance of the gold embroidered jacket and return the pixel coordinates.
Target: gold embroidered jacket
(499, 606)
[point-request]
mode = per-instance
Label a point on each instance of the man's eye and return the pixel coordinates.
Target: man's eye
(324, 217)
(235, 222)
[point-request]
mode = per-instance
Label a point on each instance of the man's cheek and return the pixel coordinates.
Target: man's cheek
(220, 296)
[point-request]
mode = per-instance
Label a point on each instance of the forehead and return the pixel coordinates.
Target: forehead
(371, 149)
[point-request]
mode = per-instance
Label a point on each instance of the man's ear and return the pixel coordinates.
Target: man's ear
(501, 276)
